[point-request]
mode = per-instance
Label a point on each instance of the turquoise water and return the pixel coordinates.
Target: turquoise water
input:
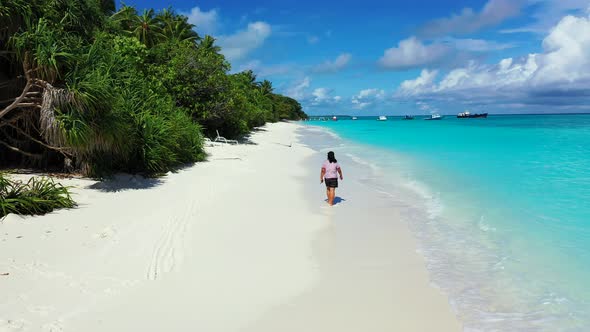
(505, 202)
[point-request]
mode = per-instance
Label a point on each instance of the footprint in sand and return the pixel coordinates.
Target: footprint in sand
(106, 233)
(56, 326)
(11, 325)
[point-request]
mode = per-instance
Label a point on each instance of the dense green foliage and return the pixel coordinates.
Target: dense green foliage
(37, 196)
(89, 88)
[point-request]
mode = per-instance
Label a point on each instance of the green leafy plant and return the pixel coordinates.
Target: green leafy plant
(104, 91)
(39, 195)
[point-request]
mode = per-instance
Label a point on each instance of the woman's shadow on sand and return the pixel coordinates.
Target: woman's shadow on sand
(337, 200)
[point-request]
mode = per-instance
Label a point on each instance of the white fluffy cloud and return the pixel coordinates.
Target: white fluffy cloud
(468, 21)
(323, 96)
(265, 70)
(560, 74)
(334, 66)
(475, 45)
(426, 107)
(567, 52)
(422, 83)
(321, 93)
(298, 89)
(239, 44)
(367, 97)
(548, 12)
(411, 53)
(370, 93)
(205, 21)
(316, 98)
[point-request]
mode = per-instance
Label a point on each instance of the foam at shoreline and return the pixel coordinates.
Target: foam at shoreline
(371, 277)
(462, 258)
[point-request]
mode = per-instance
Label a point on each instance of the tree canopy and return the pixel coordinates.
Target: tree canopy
(86, 87)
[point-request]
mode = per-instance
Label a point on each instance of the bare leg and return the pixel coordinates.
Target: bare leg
(331, 196)
(328, 193)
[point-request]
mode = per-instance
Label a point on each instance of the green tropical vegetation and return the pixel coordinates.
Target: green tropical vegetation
(86, 87)
(36, 196)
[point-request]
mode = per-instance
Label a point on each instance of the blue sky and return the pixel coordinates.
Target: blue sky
(407, 57)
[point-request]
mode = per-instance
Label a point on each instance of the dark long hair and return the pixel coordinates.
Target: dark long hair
(331, 157)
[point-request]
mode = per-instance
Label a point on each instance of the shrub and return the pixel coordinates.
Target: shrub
(39, 195)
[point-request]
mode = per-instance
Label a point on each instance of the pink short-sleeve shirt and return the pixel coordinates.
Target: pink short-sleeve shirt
(331, 170)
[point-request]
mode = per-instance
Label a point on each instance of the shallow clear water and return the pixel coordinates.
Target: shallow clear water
(504, 214)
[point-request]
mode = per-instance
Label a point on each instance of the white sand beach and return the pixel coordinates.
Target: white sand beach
(243, 242)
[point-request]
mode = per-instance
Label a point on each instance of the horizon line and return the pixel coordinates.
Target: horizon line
(499, 114)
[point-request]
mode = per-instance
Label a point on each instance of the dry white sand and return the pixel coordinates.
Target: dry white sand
(232, 244)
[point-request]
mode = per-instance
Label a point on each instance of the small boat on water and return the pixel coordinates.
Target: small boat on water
(408, 117)
(434, 117)
(382, 118)
(354, 118)
(468, 115)
(334, 118)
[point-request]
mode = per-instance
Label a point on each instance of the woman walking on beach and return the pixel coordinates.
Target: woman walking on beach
(330, 172)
